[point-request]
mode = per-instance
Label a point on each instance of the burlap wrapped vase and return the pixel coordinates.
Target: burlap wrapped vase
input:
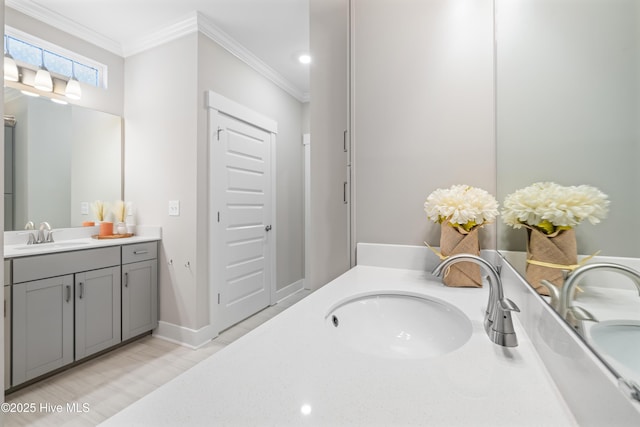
(548, 255)
(453, 242)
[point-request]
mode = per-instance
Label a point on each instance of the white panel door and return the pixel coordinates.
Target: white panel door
(241, 202)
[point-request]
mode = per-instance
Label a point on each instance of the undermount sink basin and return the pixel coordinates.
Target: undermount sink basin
(619, 339)
(51, 245)
(399, 326)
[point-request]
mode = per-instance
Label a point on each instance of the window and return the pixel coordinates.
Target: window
(31, 52)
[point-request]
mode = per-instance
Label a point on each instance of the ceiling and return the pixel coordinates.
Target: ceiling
(274, 31)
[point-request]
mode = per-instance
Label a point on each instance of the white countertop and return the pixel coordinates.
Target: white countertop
(72, 239)
(268, 375)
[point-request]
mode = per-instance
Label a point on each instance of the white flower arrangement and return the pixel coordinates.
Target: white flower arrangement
(461, 206)
(551, 208)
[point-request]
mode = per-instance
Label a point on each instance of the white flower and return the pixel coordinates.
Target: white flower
(461, 206)
(549, 206)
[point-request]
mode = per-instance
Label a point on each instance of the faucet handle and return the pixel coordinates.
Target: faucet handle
(508, 305)
(500, 327)
(50, 235)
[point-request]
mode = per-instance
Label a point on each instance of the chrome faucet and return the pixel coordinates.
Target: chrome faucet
(41, 233)
(576, 315)
(497, 321)
(32, 238)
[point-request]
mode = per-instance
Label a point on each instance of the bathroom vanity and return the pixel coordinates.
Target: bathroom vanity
(71, 299)
(302, 368)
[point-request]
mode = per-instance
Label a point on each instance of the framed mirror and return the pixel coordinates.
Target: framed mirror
(568, 100)
(58, 160)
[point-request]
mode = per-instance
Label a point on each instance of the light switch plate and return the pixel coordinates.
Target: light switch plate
(84, 208)
(174, 207)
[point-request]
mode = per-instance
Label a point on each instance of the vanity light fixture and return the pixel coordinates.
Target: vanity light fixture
(73, 90)
(43, 79)
(10, 67)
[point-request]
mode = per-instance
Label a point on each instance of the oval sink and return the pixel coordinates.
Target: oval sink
(618, 339)
(49, 245)
(399, 326)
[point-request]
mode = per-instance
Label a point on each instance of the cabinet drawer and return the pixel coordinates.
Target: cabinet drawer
(139, 252)
(58, 264)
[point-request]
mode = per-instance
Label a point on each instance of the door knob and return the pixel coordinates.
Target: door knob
(267, 228)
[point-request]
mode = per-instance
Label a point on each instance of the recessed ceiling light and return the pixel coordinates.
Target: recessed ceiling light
(305, 58)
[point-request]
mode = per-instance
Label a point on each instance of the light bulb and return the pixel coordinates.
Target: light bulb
(10, 69)
(73, 90)
(43, 80)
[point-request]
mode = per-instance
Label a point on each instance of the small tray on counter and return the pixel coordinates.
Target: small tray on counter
(112, 236)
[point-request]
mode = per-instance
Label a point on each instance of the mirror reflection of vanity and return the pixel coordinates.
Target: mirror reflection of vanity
(568, 102)
(64, 157)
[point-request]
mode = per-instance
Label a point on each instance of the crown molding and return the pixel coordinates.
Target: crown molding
(209, 29)
(174, 31)
(65, 24)
(192, 23)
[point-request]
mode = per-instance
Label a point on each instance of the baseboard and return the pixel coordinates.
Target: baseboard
(184, 336)
(289, 290)
(195, 339)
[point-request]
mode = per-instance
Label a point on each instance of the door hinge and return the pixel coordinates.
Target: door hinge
(218, 216)
(218, 298)
(218, 132)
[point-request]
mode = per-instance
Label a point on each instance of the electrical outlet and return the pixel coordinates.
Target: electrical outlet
(129, 208)
(84, 208)
(174, 207)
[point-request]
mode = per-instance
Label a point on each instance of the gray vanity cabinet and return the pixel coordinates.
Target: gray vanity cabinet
(7, 324)
(60, 299)
(42, 326)
(97, 311)
(70, 305)
(139, 289)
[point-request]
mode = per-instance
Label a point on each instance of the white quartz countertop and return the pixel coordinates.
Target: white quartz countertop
(293, 361)
(71, 240)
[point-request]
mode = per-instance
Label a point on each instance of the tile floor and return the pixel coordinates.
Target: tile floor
(107, 384)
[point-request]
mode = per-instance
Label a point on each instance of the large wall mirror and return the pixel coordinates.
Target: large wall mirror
(58, 160)
(568, 104)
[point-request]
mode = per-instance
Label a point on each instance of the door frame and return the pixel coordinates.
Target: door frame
(216, 103)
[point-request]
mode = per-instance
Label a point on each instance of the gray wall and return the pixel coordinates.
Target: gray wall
(166, 159)
(329, 240)
(568, 109)
(423, 112)
(160, 153)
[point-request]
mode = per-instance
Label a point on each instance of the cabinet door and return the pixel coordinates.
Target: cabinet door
(97, 295)
(139, 298)
(42, 327)
(7, 337)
